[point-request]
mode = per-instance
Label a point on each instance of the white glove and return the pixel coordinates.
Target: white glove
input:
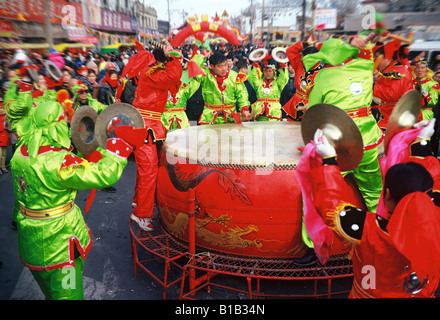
(323, 147)
(428, 129)
(424, 92)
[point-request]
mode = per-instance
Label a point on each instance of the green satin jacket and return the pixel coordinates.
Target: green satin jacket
(346, 82)
(268, 93)
(53, 180)
(234, 98)
(174, 115)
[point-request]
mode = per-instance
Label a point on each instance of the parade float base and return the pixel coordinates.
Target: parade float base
(170, 262)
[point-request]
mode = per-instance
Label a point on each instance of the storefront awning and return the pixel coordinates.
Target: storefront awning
(24, 46)
(63, 46)
(115, 47)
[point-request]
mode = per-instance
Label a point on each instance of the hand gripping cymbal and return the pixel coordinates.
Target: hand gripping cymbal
(405, 114)
(117, 114)
(340, 130)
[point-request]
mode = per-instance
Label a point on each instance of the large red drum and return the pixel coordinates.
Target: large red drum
(246, 189)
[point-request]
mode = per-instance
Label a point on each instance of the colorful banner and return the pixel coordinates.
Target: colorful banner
(33, 11)
(6, 28)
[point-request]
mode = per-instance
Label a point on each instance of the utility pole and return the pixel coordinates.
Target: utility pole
(184, 15)
(48, 23)
(169, 19)
(252, 21)
(303, 22)
(262, 21)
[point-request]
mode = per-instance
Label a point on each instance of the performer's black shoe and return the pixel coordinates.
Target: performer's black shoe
(109, 189)
(308, 259)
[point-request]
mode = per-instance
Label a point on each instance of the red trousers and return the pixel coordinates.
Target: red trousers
(146, 177)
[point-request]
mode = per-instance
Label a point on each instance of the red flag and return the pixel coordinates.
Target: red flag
(137, 62)
(194, 69)
(139, 46)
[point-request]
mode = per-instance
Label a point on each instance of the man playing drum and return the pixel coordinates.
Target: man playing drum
(156, 80)
(268, 89)
(222, 88)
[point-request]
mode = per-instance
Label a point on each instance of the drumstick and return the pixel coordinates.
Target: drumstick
(377, 62)
(401, 39)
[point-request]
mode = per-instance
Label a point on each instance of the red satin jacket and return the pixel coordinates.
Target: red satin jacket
(389, 87)
(383, 258)
(4, 135)
(152, 93)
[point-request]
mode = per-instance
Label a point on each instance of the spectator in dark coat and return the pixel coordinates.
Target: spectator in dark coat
(289, 90)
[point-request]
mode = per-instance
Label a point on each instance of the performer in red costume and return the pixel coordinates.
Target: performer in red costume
(161, 74)
(394, 80)
(393, 257)
(297, 105)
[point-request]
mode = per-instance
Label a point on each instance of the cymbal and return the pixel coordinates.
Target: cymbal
(82, 129)
(340, 130)
(117, 114)
(33, 74)
(405, 114)
(258, 54)
(279, 55)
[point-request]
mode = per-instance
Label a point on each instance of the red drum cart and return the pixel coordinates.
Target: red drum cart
(229, 194)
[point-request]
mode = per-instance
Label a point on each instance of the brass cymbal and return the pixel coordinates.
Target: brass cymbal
(33, 74)
(82, 129)
(279, 55)
(340, 130)
(117, 114)
(405, 114)
(53, 71)
(258, 54)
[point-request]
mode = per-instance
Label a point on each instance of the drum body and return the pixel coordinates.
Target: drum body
(248, 198)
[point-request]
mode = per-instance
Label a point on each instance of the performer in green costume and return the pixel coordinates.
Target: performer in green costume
(222, 88)
(347, 82)
(19, 101)
(82, 97)
(52, 233)
(268, 88)
(174, 115)
(430, 89)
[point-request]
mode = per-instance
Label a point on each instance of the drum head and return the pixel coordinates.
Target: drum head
(251, 145)
(117, 114)
(340, 130)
